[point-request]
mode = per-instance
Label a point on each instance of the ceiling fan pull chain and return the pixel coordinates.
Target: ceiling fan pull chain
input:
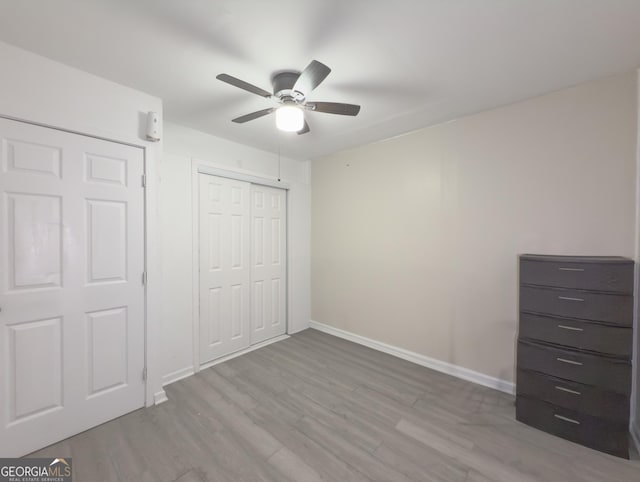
(278, 134)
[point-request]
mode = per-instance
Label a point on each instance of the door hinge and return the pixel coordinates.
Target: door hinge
(144, 278)
(144, 180)
(144, 374)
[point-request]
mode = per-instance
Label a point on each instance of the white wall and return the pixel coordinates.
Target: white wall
(415, 239)
(37, 89)
(181, 144)
(48, 92)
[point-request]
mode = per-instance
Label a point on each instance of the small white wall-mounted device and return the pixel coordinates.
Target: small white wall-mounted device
(153, 126)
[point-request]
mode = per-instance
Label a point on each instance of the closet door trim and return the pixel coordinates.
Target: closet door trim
(205, 168)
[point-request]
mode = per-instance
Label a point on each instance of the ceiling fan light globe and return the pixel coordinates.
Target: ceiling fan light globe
(289, 118)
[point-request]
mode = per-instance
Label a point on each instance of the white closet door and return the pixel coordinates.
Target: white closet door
(225, 272)
(71, 292)
(268, 262)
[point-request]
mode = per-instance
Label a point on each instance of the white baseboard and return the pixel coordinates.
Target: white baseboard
(635, 434)
(177, 375)
(417, 358)
(160, 397)
(186, 372)
(242, 352)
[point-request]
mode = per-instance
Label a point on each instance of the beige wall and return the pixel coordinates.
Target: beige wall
(415, 239)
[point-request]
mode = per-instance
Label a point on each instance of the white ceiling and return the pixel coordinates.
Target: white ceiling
(409, 63)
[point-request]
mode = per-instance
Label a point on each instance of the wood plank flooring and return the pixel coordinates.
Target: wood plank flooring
(315, 407)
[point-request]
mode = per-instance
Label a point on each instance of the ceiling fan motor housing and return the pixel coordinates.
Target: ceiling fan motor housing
(283, 83)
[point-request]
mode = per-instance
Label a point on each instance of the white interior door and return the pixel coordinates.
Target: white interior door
(268, 262)
(224, 266)
(71, 292)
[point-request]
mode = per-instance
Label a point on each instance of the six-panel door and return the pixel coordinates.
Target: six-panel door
(268, 262)
(224, 266)
(71, 294)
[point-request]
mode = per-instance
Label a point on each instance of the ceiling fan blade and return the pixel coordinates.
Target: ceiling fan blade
(305, 129)
(333, 108)
(243, 85)
(254, 115)
(311, 77)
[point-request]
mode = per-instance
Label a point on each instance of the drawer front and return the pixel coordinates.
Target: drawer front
(616, 277)
(577, 334)
(592, 432)
(606, 373)
(578, 397)
(617, 309)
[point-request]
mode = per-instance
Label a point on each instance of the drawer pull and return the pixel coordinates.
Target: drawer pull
(571, 328)
(566, 419)
(570, 362)
(568, 390)
(569, 298)
(571, 269)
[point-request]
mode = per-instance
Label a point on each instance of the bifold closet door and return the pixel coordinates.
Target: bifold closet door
(268, 262)
(225, 271)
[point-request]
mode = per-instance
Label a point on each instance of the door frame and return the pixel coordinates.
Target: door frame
(154, 393)
(199, 166)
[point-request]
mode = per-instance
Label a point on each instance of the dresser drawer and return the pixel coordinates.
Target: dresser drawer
(590, 431)
(578, 334)
(604, 372)
(610, 308)
(574, 396)
(615, 277)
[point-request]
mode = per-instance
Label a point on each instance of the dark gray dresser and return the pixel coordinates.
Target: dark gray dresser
(574, 348)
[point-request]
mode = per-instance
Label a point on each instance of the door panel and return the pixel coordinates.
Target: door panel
(71, 293)
(106, 241)
(224, 266)
(106, 349)
(32, 158)
(35, 252)
(35, 347)
(268, 267)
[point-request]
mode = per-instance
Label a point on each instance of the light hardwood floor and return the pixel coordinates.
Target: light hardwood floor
(315, 407)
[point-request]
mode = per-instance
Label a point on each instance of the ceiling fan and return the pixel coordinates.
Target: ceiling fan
(290, 91)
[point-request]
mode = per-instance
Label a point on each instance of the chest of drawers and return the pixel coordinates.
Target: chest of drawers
(574, 348)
